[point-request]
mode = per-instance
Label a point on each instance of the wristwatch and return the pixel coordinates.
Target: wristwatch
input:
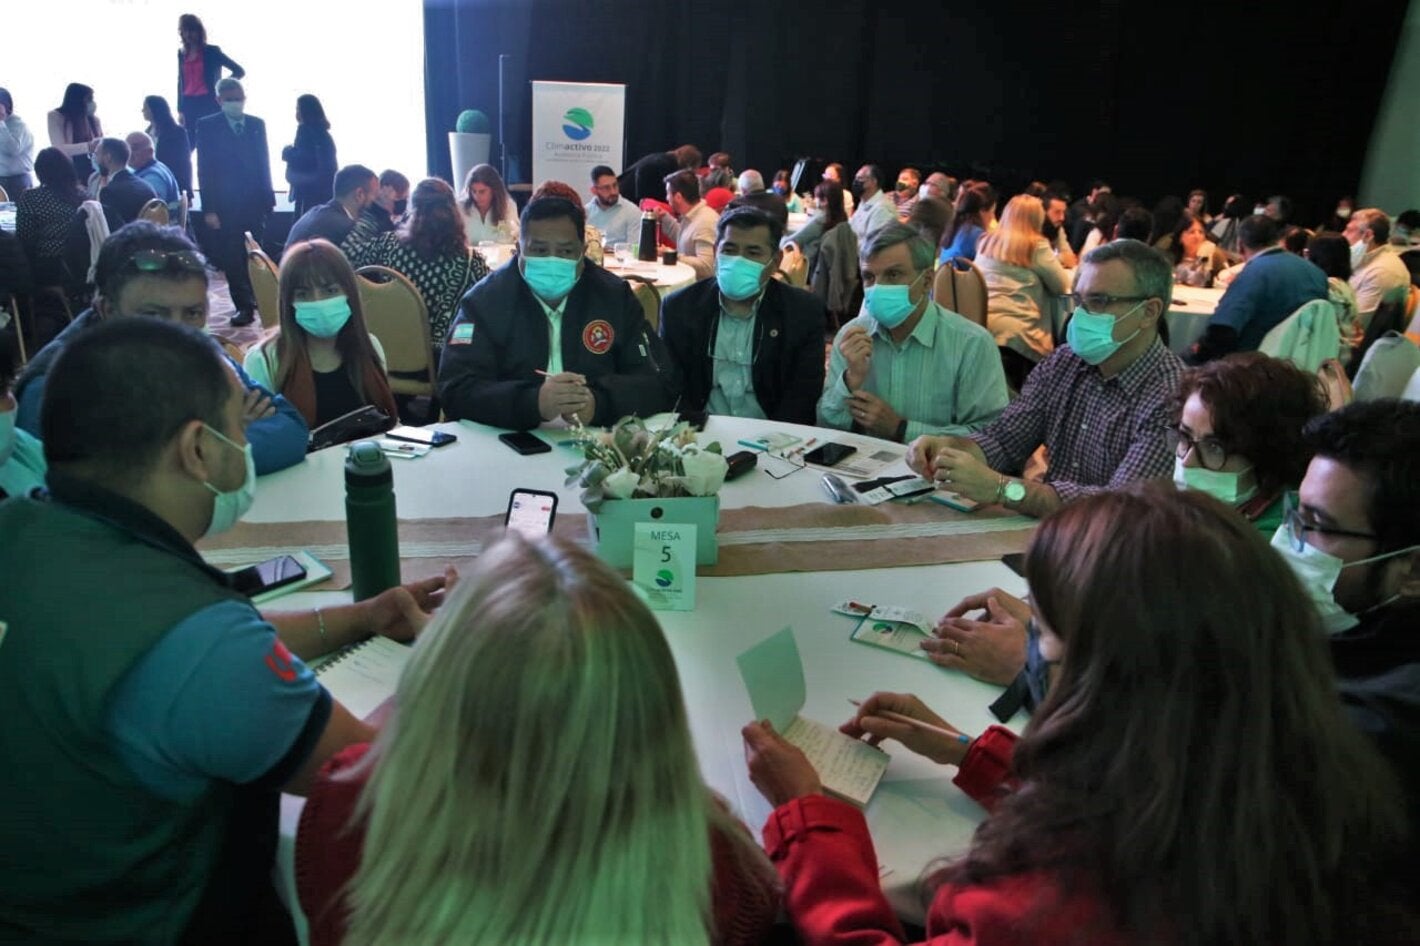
(1009, 490)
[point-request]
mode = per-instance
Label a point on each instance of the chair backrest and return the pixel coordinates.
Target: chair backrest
(4, 196)
(265, 284)
(155, 211)
(1308, 337)
(1388, 317)
(1412, 388)
(646, 293)
(395, 314)
(184, 205)
(970, 288)
(13, 305)
(1387, 367)
(944, 287)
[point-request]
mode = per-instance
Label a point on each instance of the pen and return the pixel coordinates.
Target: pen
(960, 737)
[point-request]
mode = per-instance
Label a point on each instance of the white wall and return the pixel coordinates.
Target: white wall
(365, 63)
(1391, 178)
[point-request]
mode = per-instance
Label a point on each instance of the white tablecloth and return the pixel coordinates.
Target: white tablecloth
(916, 816)
(1188, 315)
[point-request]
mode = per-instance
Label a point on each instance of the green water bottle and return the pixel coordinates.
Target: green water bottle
(370, 521)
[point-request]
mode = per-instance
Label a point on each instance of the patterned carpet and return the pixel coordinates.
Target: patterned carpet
(220, 311)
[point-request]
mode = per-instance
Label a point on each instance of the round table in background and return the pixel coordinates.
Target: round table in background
(1188, 316)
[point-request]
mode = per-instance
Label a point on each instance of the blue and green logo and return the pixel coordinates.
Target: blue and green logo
(665, 578)
(577, 124)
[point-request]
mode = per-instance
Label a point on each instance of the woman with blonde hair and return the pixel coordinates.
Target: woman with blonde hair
(1023, 277)
(535, 782)
(489, 213)
(321, 357)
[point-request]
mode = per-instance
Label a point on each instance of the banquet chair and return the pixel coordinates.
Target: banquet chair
(944, 288)
(184, 206)
(1307, 338)
(155, 211)
(650, 299)
(4, 196)
(969, 287)
(13, 306)
(395, 314)
(264, 283)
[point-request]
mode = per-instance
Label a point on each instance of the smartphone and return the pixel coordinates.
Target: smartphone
(430, 438)
(530, 512)
(264, 576)
(829, 454)
(525, 443)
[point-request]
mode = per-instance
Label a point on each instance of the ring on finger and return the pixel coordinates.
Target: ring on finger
(956, 648)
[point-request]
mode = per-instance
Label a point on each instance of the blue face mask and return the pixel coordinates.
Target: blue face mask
(549, 277)
(890, 305)
(738, 277)
(323, 318)
(1091, 334)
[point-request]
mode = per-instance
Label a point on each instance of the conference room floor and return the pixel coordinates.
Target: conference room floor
(220, 311)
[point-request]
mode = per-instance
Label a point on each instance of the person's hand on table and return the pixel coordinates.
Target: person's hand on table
(400, 613)
(213, 221)
(947, 750)
(922, 452)
(256, 405)
(856, 347)
(873, 414)
(777, 768)
(584, 414)
(562, 394)
(990, 647)
(965, 475)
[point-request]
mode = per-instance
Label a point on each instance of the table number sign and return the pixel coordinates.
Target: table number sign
(663, 565)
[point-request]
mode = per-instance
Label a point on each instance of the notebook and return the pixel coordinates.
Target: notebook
(774, 676)
(362, 676)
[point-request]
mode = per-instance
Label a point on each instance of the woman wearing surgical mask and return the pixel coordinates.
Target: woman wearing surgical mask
(1190, 778)
(22, 465)
(430, 247)
(322, 358)
(1238, 433)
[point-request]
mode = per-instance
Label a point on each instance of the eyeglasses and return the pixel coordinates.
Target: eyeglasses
(162, 261)
(1297, 529)
(1211, 452)
(1099, 301)
(785, 463)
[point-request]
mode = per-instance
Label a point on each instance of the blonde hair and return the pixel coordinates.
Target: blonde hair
(537, 783)
(1015, 239)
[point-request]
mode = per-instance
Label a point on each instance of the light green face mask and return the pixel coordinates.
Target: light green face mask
(1233, 487)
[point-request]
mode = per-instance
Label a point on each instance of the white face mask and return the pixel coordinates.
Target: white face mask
(7, 436)
(1318, 572)
(228, 507)
(1358, 253)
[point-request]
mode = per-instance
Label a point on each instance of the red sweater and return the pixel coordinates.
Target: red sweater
(833, 895)
(745, 904)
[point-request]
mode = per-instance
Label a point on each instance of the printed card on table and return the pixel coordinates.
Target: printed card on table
(888, 626)
(663, 565)
(773, 675)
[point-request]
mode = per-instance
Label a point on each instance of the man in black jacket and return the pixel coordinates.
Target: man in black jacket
(234, 167)
(356, 188)
(124, 193)
(555, 336)
(744, 343)
(646, 178)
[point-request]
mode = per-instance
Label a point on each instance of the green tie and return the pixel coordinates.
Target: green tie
(238, 127)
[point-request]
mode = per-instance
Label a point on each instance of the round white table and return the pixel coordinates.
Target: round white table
(665, 278)
(1188, 316)
(916, 816)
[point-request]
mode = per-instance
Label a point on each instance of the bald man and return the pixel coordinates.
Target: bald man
(149, 169)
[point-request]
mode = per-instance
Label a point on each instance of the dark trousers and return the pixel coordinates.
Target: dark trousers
(16, 185)
(226, 249)
(194, 108)
(1017, 367)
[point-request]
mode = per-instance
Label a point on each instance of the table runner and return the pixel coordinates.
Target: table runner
(754, 540)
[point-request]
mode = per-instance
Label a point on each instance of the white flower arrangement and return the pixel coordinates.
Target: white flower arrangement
(631, 461)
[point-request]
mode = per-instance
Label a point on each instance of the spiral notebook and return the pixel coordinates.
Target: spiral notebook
(364, 675)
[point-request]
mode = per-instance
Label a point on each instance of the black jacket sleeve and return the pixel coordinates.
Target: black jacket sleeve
(684, 340)
(471, 386)
(804, 361)
(639, 383)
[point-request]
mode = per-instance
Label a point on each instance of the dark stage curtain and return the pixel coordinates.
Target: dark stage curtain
(1156, 98)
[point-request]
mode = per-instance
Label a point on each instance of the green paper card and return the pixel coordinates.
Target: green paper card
(663, 565)
(774, 677)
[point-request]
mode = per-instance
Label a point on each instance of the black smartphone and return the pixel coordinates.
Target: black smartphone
(530, 512)
(696, 419)
(829, 454)
(525, 443)
(264, 576)
(432, 438)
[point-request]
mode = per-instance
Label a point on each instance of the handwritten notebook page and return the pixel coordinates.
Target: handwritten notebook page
(364, 675)
(848, 768)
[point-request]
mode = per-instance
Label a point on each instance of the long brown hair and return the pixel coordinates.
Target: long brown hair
(829, 195)
(311, 263)
(1191, 759)
(433, 227)
(487, 175)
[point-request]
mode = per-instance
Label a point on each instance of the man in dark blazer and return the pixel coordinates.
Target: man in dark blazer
(356, 188)
(234, 169)
(744, 343)
(552, 334)
(124, 192)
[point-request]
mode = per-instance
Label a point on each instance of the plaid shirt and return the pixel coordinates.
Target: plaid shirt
(1100, 432)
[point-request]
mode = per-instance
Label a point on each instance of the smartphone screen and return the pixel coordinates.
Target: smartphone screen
(431, 438)
(525, 443)
(829, 454)
(272, 573)
(530, 512)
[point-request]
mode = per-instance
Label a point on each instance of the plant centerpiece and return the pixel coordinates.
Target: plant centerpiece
(632, 473)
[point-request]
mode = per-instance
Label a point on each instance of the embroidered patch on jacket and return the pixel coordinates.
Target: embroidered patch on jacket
(598, 336)
(463, 334)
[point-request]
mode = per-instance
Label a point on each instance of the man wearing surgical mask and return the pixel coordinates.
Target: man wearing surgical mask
(1353, 539)
(555, 338)
(744, 343)
(1099, 404)
(906, 366)
(157, 702)
(1377, 273)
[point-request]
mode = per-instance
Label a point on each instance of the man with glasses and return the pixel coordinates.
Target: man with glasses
(744, 343)
(1353, 539)
(616, 217)
(147, 270)
(1099, 404)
